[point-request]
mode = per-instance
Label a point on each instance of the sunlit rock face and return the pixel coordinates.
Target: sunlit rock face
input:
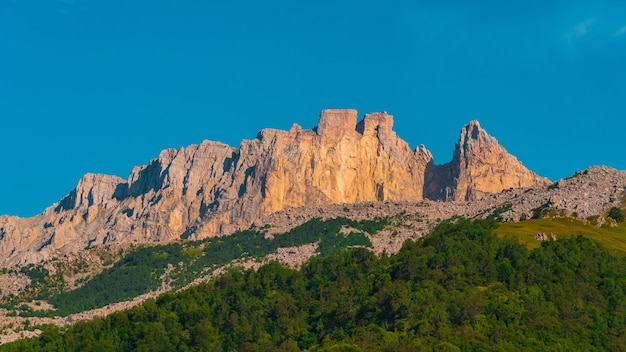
(212, 189)
(479, 165)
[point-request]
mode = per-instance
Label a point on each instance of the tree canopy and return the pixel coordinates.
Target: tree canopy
(460, 288)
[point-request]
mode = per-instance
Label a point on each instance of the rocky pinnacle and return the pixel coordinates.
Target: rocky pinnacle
(214, 189)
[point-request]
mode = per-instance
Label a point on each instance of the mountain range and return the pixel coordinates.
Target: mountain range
(197, 212)
(213, 189)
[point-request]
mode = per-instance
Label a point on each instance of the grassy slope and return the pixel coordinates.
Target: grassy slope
(611, 238)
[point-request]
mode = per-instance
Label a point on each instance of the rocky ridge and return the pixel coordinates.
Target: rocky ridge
(213, 189)
(585, 195)
(479, 166)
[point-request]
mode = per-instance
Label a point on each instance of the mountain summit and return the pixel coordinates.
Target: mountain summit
(211, 188)
(479, 165)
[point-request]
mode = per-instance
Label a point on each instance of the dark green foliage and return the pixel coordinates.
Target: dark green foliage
(41, 282)
(334, 242)
(577, 173)
(498, 211)
(35, 273)
(459, 289)
(541, 212)
(134, 275)
(616, 214)
(140, 271)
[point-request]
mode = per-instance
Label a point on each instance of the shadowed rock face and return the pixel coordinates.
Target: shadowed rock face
(212, 188)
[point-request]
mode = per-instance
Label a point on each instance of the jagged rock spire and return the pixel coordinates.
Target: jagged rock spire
(212, 188)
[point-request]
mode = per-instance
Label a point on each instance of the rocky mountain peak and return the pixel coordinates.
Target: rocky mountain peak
(213, 189)
(94, 189)
(475, 139)
(481, 165)
(378, 124)
(424, 154)
(334, 123)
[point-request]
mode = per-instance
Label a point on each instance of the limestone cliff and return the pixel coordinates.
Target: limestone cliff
(479, 165)
(211, 188)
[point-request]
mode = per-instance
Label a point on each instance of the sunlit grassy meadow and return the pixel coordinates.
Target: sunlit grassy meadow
(612, 238)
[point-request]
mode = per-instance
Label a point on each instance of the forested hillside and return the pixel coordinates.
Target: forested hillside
(461, 288)
(146, 268)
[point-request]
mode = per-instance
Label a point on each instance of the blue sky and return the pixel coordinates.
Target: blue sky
(101, 86)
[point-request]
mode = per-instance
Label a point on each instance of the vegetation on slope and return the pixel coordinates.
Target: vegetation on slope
(611, 238)
(143, 269)
(461, 288)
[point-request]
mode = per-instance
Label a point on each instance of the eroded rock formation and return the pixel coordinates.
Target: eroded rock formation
(211, 188)
(479, 165)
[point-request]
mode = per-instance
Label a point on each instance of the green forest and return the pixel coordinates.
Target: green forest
(142, 269)
(461, 288)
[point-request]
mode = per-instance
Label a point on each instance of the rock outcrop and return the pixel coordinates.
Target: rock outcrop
(211, 188)
(480, 165)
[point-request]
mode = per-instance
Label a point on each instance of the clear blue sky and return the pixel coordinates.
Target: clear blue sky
(101, 86)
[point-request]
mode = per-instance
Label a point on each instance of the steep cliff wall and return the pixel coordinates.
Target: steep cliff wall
(212, 188)
(479, 165)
